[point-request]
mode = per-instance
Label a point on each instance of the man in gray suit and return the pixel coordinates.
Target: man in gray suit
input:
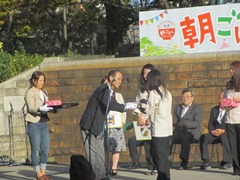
(187, 122)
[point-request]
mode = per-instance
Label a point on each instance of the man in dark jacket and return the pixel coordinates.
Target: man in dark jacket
(216, 128)
(92, 123)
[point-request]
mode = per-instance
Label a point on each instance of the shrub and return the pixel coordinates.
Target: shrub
(11, 65)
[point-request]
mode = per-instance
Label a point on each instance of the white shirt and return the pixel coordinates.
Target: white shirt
(160, 113)
(233, 116)
(220, 115)
(184, 110)
(41, 95)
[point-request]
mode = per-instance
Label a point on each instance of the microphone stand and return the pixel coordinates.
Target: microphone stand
(107, 147)
(27, 161)
(10, 131)
(11, 144)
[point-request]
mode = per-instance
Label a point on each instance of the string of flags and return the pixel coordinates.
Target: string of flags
(156, 18)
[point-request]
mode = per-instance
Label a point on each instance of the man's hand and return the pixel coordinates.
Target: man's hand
(182, 124)
(130, 105)
(213, 132)
(217, 132)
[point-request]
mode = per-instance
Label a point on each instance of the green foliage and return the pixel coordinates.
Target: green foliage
(148, 48)
(57, 26)
(7, 8)
(11, 65)
(145, 42)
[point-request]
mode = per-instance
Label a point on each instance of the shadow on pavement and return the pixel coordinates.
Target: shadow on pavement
(57, 172)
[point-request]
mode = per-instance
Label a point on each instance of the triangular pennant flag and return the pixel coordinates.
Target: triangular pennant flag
(161, 15)
(152, 19)
(224, 45)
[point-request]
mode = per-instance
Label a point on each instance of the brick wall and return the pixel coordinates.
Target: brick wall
(74, 80)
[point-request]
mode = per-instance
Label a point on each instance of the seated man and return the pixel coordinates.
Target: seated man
(133, 144)
(187, 122)
(216, 128)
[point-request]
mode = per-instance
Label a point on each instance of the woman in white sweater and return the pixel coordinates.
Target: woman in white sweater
(159, 110)
(233, 116)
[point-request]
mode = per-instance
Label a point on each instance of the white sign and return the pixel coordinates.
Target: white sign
(190, 30)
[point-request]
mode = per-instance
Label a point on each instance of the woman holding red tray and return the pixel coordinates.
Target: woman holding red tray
(37, 127)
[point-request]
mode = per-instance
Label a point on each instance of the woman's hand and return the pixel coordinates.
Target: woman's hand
(148, 121)
(236, 99)
(45, 108)
(141, 120)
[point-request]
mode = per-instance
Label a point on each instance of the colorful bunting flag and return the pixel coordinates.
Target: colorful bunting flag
(141, 22)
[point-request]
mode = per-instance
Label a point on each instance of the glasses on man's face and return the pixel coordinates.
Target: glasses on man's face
(186, 97)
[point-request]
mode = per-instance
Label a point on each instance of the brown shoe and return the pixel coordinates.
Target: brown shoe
(40, 178)
(46, 177)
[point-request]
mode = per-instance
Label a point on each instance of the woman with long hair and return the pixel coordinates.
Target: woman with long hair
(141, 97)
(233, 116)
(37, 126)
(159, 111)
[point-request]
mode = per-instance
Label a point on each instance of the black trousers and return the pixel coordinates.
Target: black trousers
(233, 133)
(206, 139)
(184, 138)
(133, 144)
(160, 148)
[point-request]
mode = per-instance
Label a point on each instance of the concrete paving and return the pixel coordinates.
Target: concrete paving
(61, 172)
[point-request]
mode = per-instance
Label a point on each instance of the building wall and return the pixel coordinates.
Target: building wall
(74, 80)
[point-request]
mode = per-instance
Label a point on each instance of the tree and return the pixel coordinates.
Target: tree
(63, 26)
(7, 10)
(118, 18)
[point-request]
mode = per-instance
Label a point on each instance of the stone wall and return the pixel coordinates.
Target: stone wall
(74, 80)
(12, 127)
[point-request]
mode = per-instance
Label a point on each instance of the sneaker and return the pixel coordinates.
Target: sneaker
(150, 172)
(184, 166)
(204, 165)
(226, 165)
(134, 166)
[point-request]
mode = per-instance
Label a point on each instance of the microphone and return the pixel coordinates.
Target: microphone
(114, 79)
(23, 109)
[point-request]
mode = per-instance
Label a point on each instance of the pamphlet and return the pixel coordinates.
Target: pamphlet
(114, 119)
(142, 132)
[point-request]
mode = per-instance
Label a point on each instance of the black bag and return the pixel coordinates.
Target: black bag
(81, 169)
